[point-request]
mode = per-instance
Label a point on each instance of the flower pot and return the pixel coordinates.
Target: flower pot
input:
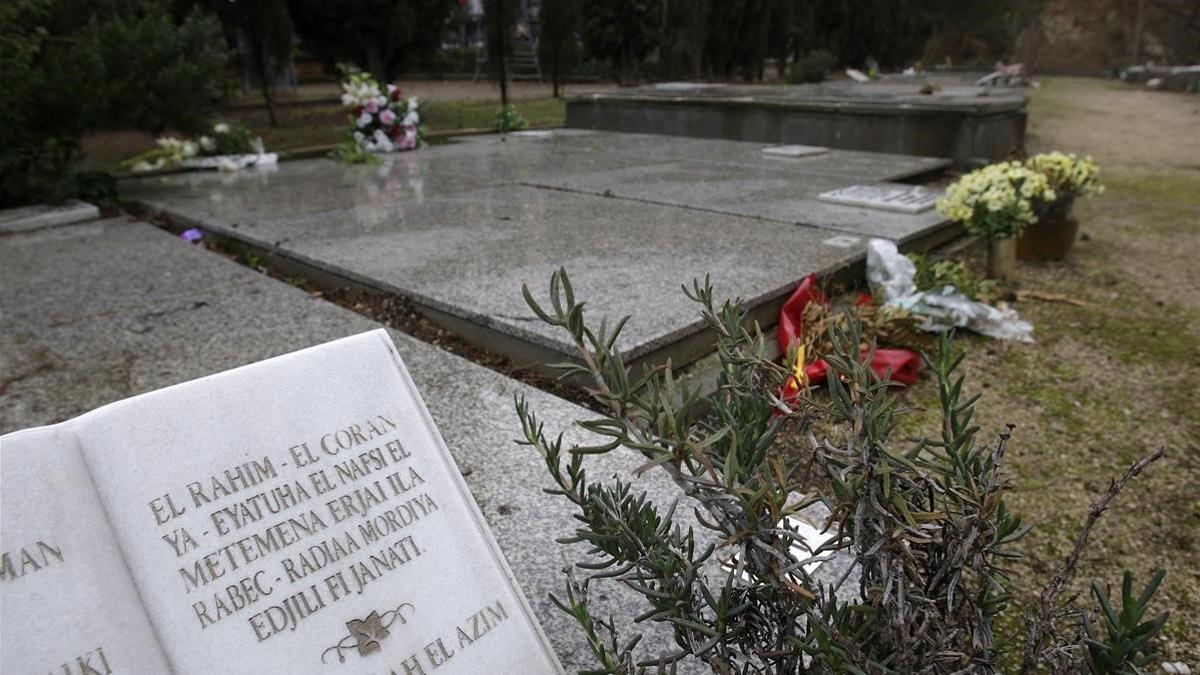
(1002, 258)
(1052, 236)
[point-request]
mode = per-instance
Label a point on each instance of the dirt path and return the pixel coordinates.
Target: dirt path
(1125, 127)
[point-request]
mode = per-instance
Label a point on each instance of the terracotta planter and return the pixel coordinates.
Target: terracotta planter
(1053, 235)
(1002, 258)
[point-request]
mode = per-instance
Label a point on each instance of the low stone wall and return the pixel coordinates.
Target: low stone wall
(1169, 78)
(968, 127)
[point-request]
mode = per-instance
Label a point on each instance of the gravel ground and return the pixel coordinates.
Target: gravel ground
(1108, 382)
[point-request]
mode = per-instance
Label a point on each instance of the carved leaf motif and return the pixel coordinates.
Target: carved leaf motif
(368, 632)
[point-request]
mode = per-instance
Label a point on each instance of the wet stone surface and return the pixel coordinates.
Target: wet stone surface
(459, 227)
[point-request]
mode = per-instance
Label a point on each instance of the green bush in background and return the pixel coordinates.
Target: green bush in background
(68, 68)
(813, 68)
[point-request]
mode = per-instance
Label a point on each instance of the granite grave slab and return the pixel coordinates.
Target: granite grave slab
(115, 308)
(786, 197)
(458, 227)
(651, 148)
(291, 189)
(466, 257)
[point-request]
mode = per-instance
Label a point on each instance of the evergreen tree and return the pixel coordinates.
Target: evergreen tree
(69, 67)
(379, 36)
(263, 29)
(622, 31)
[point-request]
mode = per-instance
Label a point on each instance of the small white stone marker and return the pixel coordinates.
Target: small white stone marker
(842, 241)
(900, 198)
(297, 515)
(794, 150)
(46, 215)
(857, 75)
(532, 133)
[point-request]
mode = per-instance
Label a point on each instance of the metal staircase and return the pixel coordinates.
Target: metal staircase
(523, 64)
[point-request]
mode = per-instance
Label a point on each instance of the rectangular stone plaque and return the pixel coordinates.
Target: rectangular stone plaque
(902, 198)
(297, 515)
(843, 241)
(794, 150)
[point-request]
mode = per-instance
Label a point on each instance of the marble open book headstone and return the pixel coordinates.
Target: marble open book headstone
(298, 515)
(902, 198)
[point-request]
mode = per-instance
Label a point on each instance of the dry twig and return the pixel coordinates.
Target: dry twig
(1037, 624)
(1051, 297)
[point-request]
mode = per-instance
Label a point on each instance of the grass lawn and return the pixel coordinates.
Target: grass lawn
(1110, 381)
(306, 126)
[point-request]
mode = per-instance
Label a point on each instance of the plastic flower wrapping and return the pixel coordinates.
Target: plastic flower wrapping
(997, 201)
(382, 120)
(1068, 174)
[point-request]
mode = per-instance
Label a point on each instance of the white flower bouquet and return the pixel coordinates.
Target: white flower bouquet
(226, 147)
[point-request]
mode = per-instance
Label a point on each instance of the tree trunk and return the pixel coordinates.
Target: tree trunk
(502, 51)
(375, 61)
(264, 82)
(262, 64)
(554, 70)
(695, 62)
(270, 98)
(695, 36)
(623, 58)
(1138, 26)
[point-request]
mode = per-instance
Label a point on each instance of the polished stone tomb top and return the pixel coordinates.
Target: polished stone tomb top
(457, 228)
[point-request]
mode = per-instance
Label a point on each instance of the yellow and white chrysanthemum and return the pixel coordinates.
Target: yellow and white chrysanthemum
(997, 201)
(1067, 173)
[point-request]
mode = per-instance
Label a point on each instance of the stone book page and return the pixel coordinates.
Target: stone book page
(303, 515)
(67, 605)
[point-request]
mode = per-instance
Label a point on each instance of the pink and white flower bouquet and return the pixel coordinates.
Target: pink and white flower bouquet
(381, 118)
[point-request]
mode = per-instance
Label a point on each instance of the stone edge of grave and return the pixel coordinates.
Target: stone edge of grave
(903, 105)
(44, 216)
